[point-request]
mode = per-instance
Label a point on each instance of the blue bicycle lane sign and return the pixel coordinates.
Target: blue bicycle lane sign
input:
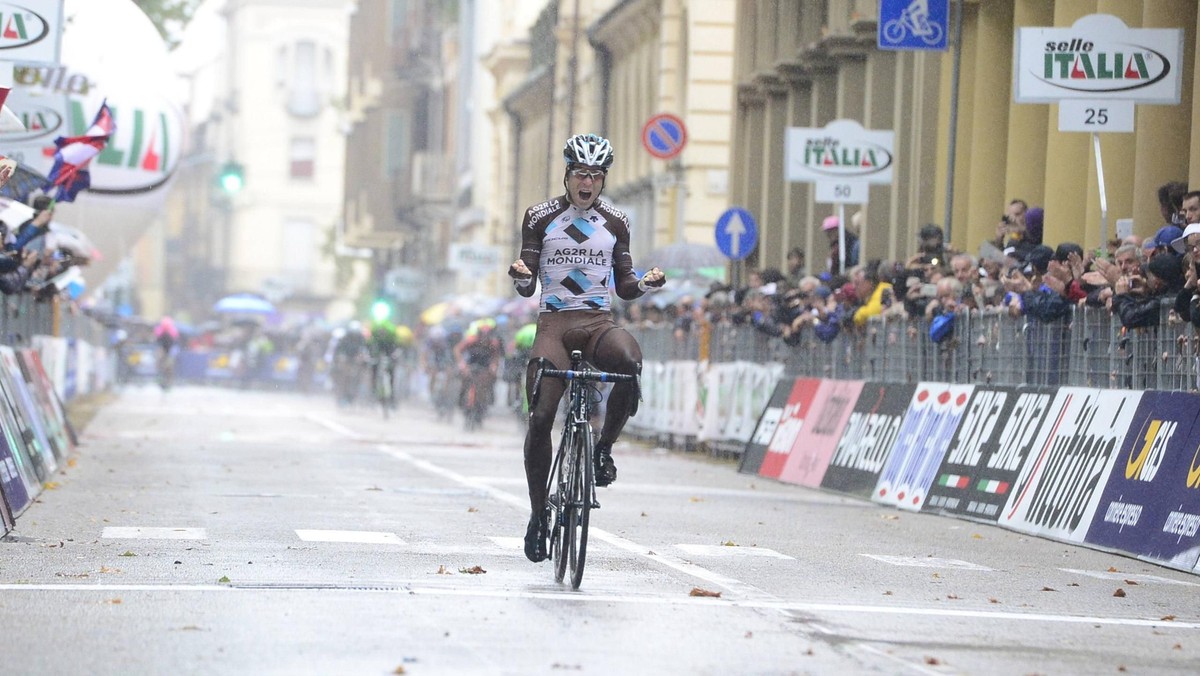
(913, 24)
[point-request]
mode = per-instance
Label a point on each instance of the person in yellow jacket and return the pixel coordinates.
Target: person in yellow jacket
(877, 292)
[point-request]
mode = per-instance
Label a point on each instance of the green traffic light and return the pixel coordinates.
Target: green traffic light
(231, 178)
(381, 310)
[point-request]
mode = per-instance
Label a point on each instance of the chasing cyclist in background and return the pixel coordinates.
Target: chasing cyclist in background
(478, 355)
(578, 247)
(514, 367)
(166, 335)
(382, 347)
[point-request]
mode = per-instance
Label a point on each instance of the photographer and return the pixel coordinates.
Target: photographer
(1138, 299)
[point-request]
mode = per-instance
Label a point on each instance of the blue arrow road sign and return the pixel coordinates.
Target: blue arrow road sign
(913, 24)
(736, 233)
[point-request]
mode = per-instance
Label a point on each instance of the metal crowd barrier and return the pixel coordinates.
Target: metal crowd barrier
(22, 317)
(1089, 348)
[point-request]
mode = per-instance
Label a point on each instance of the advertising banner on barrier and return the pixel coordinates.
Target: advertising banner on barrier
(1151, 503)
(17, 494)
(35, 457)
(931, 420)
(38, 375)
(43, 410)
(764, 431)
(799, 402)
(27, 409)
(868, 438)
(816, 441)
(1059, 485)
(987, 451)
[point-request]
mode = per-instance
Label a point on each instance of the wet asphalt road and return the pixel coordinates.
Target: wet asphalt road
(212, 531)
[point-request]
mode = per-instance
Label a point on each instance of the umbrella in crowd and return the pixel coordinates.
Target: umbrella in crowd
(244, 303)
(687, 260)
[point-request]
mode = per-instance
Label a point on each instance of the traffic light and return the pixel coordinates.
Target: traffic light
(381, 310)
(232, 177)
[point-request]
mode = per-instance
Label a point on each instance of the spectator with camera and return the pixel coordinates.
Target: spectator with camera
(1138, 299)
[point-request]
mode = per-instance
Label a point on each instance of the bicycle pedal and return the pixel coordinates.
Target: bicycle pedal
(595, 504)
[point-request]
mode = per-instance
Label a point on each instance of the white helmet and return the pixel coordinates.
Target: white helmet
(589, 149)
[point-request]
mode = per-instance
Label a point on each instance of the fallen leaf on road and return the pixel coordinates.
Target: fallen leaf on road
(889, 517)
(809, 652)
(399, 670)
(729, 543)
(50, 485)
(696, 499)
(473, 570)
(128, 553)
(1121, 668)
(442, 570)
(749, 634)
(1111, 569)
(224, 579)
(72, 462)
(106, 569)
(191, 627)
(374, 488)
(1049, 589)
(932, 660)
(645, 514)
(1073, 584)
(1131, 582)
(696, 591)
(937, 576)
(115, 602)
(472, 510)
(952, 597)
(1120, 593)
(887, 593)
(1177, 646)
(1167, 618)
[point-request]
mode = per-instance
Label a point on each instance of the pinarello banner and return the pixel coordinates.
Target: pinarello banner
(1061, 481)
(931, 420)
(1151, 503)
(987, 451)
(814, 444)
(868, 438)
(768, 422)
(791, 421)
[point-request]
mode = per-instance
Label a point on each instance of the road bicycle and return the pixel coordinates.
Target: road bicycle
(571, 489)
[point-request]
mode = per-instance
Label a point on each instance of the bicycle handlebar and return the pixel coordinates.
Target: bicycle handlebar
(588, 375)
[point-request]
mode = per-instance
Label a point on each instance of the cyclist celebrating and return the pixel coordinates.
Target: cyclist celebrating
(578, 246)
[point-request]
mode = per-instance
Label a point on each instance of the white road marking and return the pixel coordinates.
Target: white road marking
(731, 550)
(584, 596)
(352, 536)
(1138, 578)
(153, 533)
(928, 562)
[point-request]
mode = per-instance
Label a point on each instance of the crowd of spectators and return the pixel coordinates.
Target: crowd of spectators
(33, 258)
(1140, 281)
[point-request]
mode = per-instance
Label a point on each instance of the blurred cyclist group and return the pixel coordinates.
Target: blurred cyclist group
(455, 369)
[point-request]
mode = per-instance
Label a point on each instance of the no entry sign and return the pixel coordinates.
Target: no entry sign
(664, 136)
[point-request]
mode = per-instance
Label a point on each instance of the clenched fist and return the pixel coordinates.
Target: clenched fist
(654, 278)
(519, 270)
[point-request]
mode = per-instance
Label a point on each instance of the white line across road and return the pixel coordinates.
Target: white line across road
(351, 536)
(415, 589)
(153, 533)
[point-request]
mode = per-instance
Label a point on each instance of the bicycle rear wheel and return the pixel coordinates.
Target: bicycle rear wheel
(581, 501)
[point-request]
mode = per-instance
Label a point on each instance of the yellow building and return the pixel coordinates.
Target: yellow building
(804, 63)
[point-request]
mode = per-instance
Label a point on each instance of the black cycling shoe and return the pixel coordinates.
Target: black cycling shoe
(535, 540)
(606, 469)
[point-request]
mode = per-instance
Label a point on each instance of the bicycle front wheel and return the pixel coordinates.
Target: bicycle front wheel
(562, 516)
(581, 501)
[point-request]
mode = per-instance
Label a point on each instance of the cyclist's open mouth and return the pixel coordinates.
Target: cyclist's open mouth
(585, 195)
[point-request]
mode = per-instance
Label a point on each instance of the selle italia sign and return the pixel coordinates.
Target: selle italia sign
(1098, 58)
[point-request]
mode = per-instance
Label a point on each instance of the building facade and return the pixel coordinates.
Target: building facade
(805, 63)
